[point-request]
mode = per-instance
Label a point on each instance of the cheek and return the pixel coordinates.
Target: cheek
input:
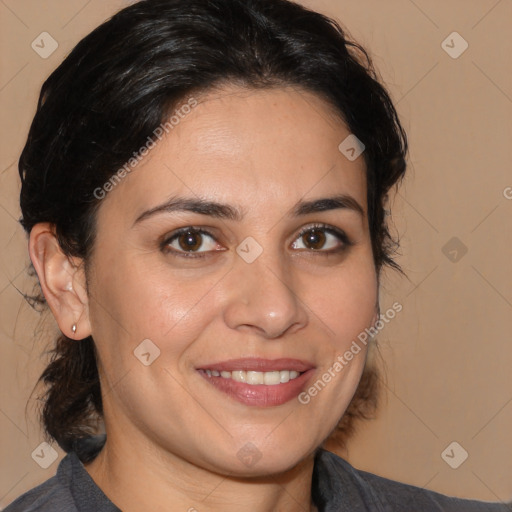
(345, 305)
(344, 301)
(134, 301)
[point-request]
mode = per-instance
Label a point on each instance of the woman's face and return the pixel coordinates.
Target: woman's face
(257, 291)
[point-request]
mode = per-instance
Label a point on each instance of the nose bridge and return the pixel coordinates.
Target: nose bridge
(262, 292)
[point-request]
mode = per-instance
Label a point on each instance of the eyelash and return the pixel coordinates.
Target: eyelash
(341, 235)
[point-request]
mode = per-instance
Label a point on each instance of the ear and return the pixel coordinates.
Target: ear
(62, 281)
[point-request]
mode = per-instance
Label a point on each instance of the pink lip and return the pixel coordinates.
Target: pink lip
(257, 364)
(260, 395)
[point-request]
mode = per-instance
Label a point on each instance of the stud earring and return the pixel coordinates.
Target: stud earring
(73, 328)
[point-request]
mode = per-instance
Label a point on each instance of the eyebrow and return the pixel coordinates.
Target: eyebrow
(228, 212)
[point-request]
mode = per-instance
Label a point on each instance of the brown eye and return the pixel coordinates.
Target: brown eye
(314, 239)
(322, 239)
(190, 241)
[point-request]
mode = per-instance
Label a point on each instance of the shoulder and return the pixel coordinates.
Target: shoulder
(376, 493)
(71, 489)
(51, 495)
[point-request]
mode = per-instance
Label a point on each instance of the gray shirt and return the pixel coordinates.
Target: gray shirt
(336, 487)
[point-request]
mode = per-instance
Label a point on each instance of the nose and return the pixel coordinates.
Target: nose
(262, 297)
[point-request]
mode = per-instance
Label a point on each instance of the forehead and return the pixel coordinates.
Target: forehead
(251, 147)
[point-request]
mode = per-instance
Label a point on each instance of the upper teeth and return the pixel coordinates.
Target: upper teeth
(249, 377)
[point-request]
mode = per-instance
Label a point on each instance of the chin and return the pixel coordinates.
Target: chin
(253, 461)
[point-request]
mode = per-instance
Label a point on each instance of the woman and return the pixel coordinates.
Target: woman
(204, 186)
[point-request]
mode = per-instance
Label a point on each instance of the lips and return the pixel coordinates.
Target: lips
(261, 395)
(256, 364)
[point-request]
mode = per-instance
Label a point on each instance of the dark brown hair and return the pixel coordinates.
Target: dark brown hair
(121, 82)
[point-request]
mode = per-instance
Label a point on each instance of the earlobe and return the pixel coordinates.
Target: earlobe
(62, 281)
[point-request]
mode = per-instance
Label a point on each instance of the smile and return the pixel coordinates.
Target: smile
(256, 378)
(258, 382)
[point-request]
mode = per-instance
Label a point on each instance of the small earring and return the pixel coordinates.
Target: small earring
(73, 328)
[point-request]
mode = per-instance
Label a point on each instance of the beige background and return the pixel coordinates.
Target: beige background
(448, 354)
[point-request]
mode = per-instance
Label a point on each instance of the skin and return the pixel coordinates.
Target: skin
(172, 437)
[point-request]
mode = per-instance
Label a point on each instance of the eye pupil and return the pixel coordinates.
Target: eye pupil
(314, 238)
(190, 241)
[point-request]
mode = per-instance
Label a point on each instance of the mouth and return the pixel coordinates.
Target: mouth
(259, 382)
(256, 378)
